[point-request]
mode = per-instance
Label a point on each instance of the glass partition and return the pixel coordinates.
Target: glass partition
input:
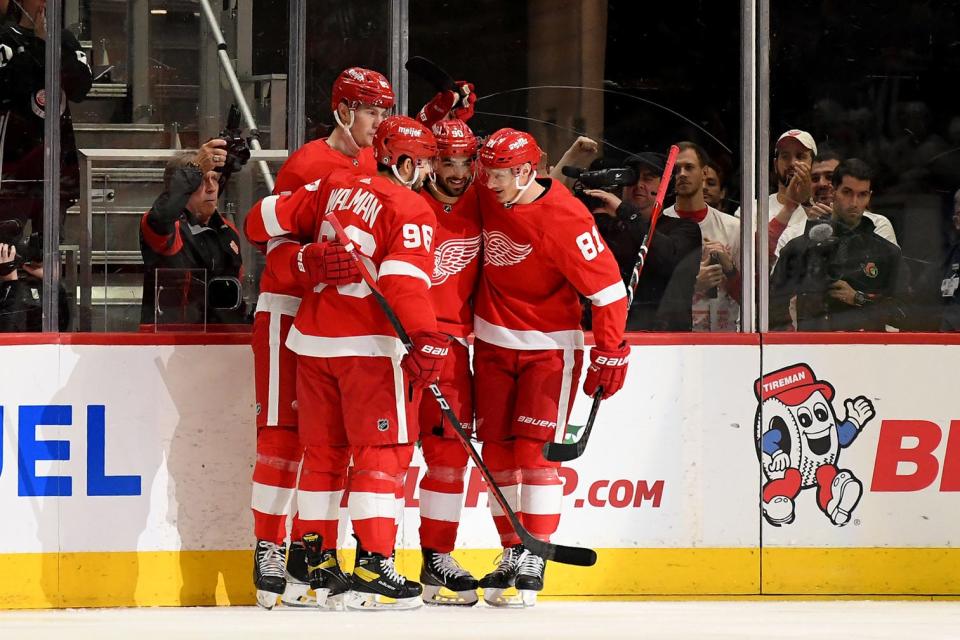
(864, 236)
(613, 85)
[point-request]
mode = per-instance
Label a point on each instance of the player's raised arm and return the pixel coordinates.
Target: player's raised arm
(289, 215)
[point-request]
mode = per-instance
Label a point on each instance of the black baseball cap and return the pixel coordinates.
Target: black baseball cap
(647, 159)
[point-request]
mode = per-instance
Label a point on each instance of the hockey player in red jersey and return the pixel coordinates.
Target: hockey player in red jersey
(360, 100)
(456, 268)
(540, 249)
(358, 393)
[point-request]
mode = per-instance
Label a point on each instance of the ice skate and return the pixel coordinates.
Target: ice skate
(495, 583)
(529, 581)
(445, 582)
(298, 592)
(376, 585)
(327, 580)
(845, 492)
(268, 575)
(779, 511)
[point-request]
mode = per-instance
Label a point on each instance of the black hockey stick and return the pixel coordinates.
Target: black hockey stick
(579, 556)
(566, 451)
(435, 75)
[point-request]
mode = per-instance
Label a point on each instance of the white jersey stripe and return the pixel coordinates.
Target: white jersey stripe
(399, 398)
(273, 500)
(440, 506)
(566, 384)
(365, 346)
(273, 243)
(609, 295)
(268, 212)
(363, 505)
(401, 268)
(541, 500)
(278, 303)
(319, 505)
(273, 376)
(526, 340)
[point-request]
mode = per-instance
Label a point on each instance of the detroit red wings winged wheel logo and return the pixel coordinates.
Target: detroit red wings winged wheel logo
(500, 251)
(453, 256)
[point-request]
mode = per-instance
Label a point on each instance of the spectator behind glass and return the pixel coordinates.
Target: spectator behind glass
(662, 301)
(845, 277)
(950, 285)
(716, 297)
(792, 161)
(714, 186)
(821, 179)
(21, 292)
(23, 108)
(183, 231)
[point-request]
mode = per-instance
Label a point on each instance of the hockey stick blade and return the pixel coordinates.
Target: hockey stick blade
(567, 555)
(431, 72)
(566, 451)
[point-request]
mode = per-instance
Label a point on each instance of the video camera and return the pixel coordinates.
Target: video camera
(238, 147)
(821, 271)
(611, 180)
(29, 249)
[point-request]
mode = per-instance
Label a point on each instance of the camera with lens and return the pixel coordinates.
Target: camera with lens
(611, 180)
(821, 270)
(29, 248)
(238, 147)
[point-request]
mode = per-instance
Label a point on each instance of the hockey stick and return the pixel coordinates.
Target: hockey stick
(566, 451)
(435, 75)
(579, 556)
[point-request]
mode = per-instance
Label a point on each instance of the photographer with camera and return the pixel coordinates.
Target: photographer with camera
(622, 203)
(845, 277)
(184, 231)
(21, 282)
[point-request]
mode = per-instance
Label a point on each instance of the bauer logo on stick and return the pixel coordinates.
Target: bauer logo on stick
(799, 438)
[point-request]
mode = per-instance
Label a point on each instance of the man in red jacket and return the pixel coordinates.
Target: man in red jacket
(541, 251)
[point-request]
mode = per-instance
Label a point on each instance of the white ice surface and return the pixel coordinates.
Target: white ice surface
(899, 620)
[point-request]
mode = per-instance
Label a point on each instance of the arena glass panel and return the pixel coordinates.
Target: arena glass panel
(872, 98)
(633, 79)
(157, 89)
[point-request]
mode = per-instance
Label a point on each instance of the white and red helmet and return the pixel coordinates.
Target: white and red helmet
(454, 138)
(509, 148)
(402, 136)
(356, 86)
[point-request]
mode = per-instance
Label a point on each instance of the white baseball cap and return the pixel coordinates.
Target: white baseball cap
(802, 137)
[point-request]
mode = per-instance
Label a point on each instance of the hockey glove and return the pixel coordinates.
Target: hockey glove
(425, 361)
(437, 109)
(464, 110)
(324, 263)
(607, 369)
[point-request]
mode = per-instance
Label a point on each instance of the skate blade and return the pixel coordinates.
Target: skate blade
(362, 601)
(435, 595)
(502, 599)
(335, 602)
(299, 596)
(528, 597)
(267, 599)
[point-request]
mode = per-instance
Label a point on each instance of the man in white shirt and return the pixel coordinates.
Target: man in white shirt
(716, 296)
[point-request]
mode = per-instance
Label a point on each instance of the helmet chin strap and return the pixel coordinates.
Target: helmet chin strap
(522, 189)
(346, 128)
(411, 181)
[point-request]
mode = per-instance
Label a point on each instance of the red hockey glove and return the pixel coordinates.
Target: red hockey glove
(324, 263)
(437, 109)
(425, 360)
(607, 369)
(464, 110)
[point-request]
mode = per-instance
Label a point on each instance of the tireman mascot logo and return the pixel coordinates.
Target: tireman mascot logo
(798, 441)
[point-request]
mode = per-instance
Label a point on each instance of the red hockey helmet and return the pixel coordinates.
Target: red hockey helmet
(454, 138)
(402, 136)
(509, 148)
(356, 86)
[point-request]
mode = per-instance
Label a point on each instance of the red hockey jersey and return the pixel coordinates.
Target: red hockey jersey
(456, 261)
(536, 258)
(393, 228)
(314, 160)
